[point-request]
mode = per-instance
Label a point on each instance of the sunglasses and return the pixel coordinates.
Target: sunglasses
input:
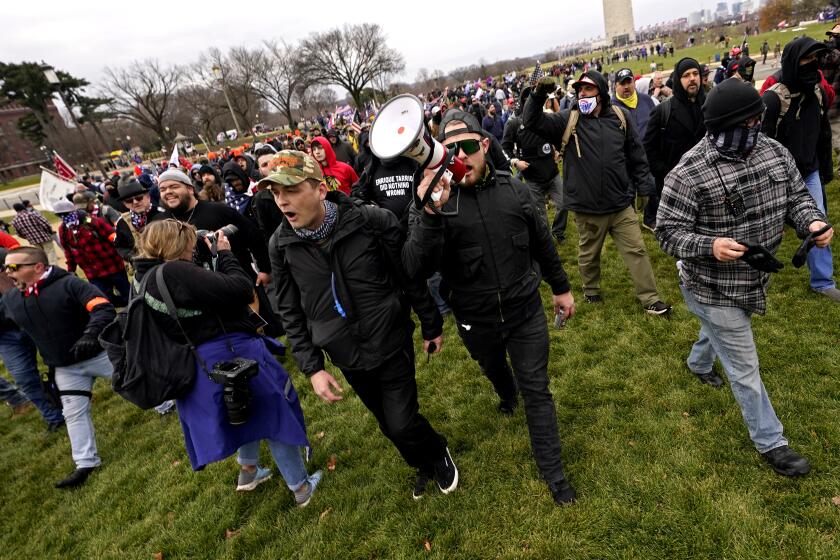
(469, 146)
(137, 198)
(15, 267)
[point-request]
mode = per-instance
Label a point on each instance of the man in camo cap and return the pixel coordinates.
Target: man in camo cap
(339, 287)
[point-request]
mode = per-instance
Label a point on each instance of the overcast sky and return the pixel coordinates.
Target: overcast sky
(84, 37)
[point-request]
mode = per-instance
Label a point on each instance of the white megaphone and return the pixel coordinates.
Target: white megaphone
(399, 130)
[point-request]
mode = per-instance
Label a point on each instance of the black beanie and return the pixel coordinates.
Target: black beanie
(729, 104)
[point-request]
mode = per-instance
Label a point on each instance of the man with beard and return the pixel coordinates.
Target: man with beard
(492, 122)
(675, 126)
(492, 257)
(178, 199)
(801, 125)
(212, 190)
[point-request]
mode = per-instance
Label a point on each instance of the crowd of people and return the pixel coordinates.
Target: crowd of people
(311, 236)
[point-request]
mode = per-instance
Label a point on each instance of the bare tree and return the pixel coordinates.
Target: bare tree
(317, 99)
(202, 110)
(143, 93)
(237, 73)
(351, 57)
(279, 78)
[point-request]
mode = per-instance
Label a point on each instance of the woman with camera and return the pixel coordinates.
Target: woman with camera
(241, 394)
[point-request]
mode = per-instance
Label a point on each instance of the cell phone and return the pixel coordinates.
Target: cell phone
(559, 320)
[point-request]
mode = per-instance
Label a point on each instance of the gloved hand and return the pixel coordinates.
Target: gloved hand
(545, 86)
(86, 348)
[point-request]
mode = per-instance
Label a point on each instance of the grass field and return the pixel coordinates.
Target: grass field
(663, 465)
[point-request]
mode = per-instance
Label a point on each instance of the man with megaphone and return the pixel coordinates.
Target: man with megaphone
(492, 254)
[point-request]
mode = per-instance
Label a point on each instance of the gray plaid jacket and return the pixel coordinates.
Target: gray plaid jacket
(693, 212)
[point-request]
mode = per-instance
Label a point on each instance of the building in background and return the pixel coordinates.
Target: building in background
(618, 22)
(19, 157)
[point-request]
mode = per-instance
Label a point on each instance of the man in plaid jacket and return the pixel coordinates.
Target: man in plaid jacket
(32, 226)
(88, 243)
(733, 191)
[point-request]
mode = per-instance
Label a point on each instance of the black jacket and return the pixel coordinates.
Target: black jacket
(804, 130)
(359, 266)
(125, 242)
(525, 144)
(344, 152)
(266, 213)
(65, 308)
(492, 256)
(683, 130)
(604, 166)
(197, 293)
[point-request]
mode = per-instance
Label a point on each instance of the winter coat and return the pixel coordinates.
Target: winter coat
(338, 175)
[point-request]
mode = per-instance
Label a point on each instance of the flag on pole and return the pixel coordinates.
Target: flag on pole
(356, 125)
(53, 188)
(63, 168)
(173, 159)
(536, 74)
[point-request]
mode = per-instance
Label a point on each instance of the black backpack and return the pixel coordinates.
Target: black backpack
(149, 367)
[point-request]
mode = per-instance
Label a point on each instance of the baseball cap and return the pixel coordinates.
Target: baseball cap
(290, 167)
(470, 129)
(584, 79)
(623, 74)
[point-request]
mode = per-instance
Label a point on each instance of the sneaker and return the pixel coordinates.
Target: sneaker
(594, 298)
(831, 293)
(562, 492)
(787, 462)
(508, 406)
(165, 407)
(304, 493)
(250, 480)
(711, 378)
(446, 473)
(423, 479)
(657, 308)
(76, 478)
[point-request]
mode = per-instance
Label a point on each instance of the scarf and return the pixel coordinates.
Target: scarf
(736, 143)
(631, 101)
(138, 220)
(236, 200)
(325, 229)
(71, 219)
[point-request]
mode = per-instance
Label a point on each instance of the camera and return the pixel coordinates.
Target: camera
(234, 375)
(229, 230)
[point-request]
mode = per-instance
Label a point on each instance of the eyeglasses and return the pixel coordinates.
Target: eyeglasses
(469, 146)
(137, 198)
(15, 267)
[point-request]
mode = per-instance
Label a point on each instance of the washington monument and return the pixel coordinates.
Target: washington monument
(618, 22)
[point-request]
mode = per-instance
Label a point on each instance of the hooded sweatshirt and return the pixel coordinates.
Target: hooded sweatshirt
(337, 174)
(238, 200)
(683, 129)
(603, 166)
(803, 127)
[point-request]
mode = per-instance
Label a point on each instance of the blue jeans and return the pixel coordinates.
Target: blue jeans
(726, 333)
(819, 258)
(80, 377)
(10, 394)
(18, 353)
(434, 289)
(287, 457)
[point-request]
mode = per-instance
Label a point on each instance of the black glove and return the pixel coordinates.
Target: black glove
(545, 86)
(808, 243)
(86, 348)
(758, 257)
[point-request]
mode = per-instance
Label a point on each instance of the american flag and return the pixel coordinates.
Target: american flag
(356, 124)
(63, 168)
(537, 73)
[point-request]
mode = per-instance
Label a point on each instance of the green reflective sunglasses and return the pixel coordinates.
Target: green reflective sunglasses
(469, 146)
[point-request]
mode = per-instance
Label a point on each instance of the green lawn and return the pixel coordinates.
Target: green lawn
(21, 182)
(663, 465)
(705, 53)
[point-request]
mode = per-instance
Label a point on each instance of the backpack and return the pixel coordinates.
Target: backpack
(571, 125)
(149, 367)
(785, 96)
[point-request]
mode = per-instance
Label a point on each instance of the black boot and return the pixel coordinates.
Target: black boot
(76, 478)
(562, 492)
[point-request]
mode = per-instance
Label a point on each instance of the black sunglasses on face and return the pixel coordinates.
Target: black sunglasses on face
(469, 146)
(137, 198)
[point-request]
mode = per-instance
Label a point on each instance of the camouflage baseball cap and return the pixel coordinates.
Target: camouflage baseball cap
(290, 167)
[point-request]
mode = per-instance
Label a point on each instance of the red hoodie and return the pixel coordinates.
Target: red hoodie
(337, 174)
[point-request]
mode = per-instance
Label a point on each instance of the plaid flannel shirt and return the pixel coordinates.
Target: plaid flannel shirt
(692, 213)
(90, 246)
(32, 226)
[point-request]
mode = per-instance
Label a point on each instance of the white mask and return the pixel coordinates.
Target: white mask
(587, 104)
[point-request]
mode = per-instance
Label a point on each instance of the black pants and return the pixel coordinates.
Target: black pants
(390, 393)
(526, 342)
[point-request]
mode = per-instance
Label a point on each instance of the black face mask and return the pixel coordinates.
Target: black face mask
(809, 74)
